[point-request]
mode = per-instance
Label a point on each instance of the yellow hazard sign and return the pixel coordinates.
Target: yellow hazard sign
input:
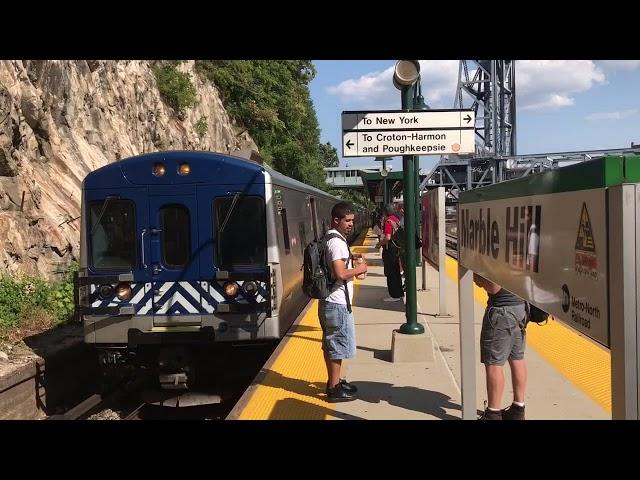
(584, 240)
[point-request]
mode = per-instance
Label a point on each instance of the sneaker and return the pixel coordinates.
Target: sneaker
(349, 387)
(392, 299)
(490, 414)
(339, 394)
(514, 412)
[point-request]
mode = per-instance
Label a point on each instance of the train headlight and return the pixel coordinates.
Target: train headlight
(231, 289)
(159, 169)
(123, 292)
(184, 169)
(106, 291)
(250, 288)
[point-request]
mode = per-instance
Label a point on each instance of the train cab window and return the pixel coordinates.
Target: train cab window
(112, 240)
(175, 238)
(285, 231)
(240, 230)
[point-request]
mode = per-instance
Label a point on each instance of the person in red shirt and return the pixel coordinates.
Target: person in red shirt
(390, 255)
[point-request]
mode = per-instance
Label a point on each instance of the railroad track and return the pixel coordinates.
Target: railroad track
(98, 402)
(451, 245)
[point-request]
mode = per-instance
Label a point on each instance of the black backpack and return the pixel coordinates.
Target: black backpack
(318, 279)
(398, 239)
(535, 315)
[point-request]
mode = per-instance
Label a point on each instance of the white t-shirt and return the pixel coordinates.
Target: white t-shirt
(338, 249)
(534, 241)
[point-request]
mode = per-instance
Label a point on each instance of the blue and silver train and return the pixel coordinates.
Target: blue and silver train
(191, 248)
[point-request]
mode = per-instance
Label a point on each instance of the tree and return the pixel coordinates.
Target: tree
(272, 100)
(328, 155)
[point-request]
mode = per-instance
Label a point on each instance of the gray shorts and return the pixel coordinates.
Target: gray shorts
(338, 330)
(503, 334)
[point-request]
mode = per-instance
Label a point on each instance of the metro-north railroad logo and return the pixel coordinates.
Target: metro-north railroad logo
(566, 298)
(586, 258)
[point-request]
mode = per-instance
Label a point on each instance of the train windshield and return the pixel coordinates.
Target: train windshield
(240, 231)
(112, 234)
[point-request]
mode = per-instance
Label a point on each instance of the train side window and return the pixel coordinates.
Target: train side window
(112, 241)
(285, 231)
(314, 218)
(303, 237)
(175, 239)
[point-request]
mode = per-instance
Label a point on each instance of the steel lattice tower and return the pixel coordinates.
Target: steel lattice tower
(489, 88)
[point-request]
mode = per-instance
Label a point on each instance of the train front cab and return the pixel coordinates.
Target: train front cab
(175, 259)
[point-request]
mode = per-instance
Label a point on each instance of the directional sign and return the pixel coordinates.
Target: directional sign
(421, 132)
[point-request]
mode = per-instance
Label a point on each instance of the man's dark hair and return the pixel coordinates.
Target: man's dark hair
(341, 210)
(389, 210)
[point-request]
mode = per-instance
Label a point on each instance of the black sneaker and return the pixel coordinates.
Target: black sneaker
(491, 415)
(349, 387)
(339, 394)
(514, 412)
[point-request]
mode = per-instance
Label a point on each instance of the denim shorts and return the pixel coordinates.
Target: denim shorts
(338, 330)
(503, 334)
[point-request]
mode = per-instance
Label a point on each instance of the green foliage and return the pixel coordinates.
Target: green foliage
(201, 126)
(357, 197)
(22, 295)
(328, 155)
(271, 99)
(175, 87)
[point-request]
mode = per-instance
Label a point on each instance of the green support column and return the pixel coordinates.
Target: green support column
(408, 169)
(385, 196)
(416, 184)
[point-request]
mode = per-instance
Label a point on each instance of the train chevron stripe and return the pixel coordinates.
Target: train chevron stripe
(137, 291)
(178, 293)
(210, 298)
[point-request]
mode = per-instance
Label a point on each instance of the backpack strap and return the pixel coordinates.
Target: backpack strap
(328, 237)
(394, 228)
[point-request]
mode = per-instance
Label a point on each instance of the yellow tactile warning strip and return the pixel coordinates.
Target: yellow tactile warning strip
(293, 386)
(582, 362)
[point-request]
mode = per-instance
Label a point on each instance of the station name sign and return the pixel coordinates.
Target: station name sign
(548, 249)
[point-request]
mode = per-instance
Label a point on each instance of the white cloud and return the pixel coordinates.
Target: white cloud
(376, 91)
(620, 64)
(369, 88)
(551, 101)
(540, 85)
(550, 84)
(612, 115)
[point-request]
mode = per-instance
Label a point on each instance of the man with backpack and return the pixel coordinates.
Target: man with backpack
(391, 255)
(503, 337)
(334, 311)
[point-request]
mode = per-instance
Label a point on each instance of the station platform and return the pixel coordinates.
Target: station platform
(568, 374)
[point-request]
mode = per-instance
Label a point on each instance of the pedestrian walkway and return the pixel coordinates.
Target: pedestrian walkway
(568, 376)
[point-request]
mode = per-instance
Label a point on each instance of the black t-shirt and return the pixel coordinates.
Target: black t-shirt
(504, 298)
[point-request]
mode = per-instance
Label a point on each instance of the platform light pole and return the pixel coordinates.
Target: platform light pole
(384, 173)
(405, 75)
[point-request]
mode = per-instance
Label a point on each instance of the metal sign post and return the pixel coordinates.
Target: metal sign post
(434, 241)
(624, 221)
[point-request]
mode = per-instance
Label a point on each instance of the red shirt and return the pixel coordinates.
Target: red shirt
(388, 228)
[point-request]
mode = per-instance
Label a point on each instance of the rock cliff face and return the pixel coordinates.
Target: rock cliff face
(59, 120)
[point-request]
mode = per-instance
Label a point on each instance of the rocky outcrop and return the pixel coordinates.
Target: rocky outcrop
(59, 120)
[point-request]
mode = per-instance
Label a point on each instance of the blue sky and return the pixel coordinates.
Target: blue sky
(563, 105)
